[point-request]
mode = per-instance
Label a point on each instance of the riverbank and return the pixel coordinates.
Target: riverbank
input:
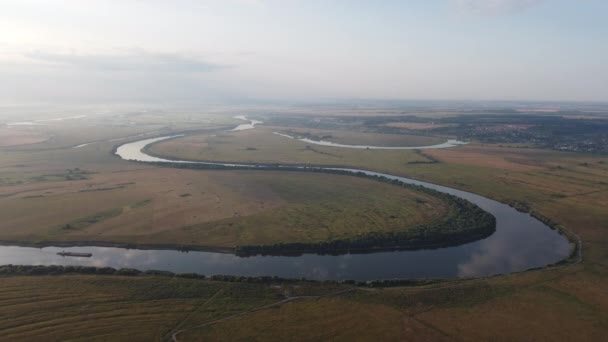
(470, 223)
(485, 203)
(522, 232)
(447, 144)
(463, 222)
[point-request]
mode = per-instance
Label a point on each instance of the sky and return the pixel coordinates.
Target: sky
(197, 50)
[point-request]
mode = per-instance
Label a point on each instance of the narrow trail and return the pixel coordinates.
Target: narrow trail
(190, 314)
(289, 299)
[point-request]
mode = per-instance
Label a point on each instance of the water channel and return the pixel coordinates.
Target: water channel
(520, 242)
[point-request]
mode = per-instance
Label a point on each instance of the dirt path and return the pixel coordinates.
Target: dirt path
(289, 299)
(187, 316)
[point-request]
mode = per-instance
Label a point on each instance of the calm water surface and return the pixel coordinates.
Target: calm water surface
(519, 243)
(249, 125)
(447, 144)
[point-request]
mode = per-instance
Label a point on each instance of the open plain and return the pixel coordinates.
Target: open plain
(102, 198)
(304, 170)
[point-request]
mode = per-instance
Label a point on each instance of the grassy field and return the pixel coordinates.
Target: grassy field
(558, 305)
(562, 304)
(48, 132)
(86, 194)
(317, 320)
(568, 187)
(113, 308)
(14, 137)
(509, 174)
(215, 208)
(529, 307)
(260, 145)
(360, 138)
(416, 125)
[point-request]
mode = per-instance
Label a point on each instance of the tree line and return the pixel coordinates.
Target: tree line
(55, 270)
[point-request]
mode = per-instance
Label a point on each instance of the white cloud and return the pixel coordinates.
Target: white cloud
(131, 60)
(495, 7)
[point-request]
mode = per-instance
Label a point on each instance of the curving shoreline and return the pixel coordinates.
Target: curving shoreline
(439, 234)
(449, 143)
(137, 153)
(521, 242)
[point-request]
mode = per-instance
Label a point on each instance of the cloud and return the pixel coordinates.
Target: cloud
(495, 7)
(131, 60)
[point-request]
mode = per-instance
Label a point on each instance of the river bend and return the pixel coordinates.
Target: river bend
(520, 242)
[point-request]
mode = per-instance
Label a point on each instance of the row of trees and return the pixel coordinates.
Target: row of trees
(465, 225)
(40, 270)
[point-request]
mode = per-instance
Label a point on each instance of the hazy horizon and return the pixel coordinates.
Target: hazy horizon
(303, 51)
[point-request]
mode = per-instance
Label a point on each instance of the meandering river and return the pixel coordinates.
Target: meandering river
(447, 144)
(249, 125)
(520, 242)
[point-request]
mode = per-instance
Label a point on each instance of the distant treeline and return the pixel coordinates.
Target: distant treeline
(40, 270)
(429, 159)
(466, 222)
